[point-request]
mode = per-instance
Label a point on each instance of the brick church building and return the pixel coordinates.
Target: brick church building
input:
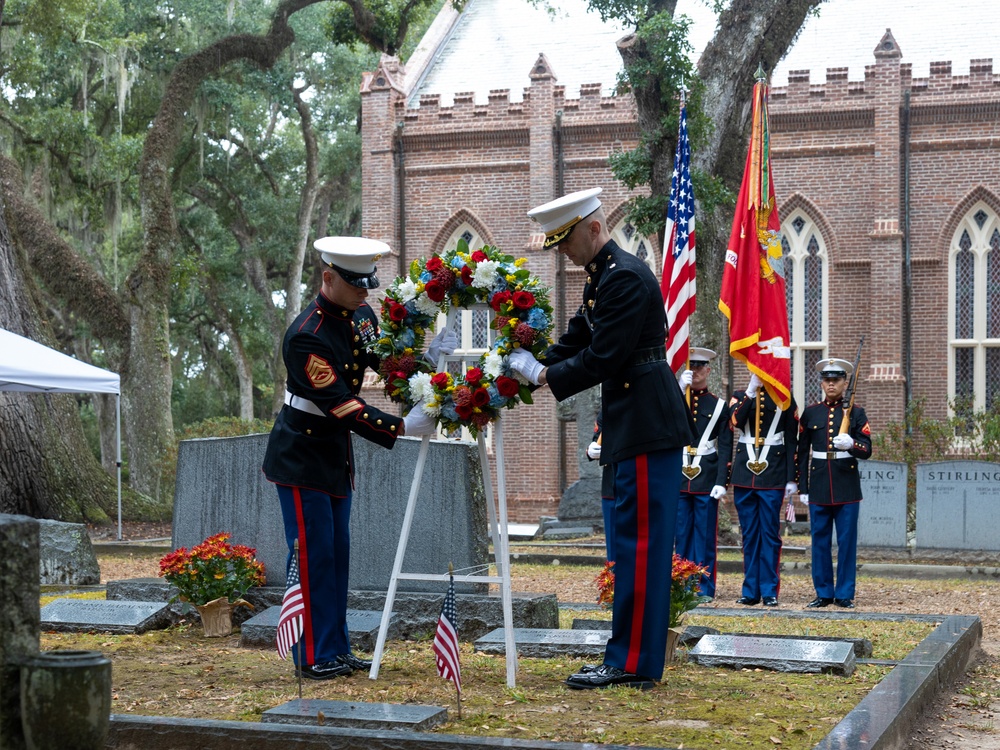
(888, 189)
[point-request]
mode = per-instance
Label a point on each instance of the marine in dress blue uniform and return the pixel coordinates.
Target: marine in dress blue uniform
(617, 339)
(831, 483)
(308, 456)
(762, 475)
(697, 533)
(607, 491)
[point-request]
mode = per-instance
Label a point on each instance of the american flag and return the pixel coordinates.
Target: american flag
(678, 284)
(446, 640)
(292, 607)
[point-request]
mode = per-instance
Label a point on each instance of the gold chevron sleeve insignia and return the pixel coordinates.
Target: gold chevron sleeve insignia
(347, 408)
(319, 372)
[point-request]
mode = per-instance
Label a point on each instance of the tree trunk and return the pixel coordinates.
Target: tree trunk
(46, 467)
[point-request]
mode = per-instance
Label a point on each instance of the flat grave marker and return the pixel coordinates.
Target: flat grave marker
(84, 615)
(544, 643)
(315, 712)
(780, 655)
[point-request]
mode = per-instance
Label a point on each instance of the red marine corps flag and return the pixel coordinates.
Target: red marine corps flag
(753, 284)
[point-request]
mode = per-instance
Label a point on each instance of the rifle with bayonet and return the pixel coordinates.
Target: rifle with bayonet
(845, 423)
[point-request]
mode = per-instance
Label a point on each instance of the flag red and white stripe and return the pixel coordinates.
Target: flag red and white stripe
(292, 607)
(446, 640)
(678, 282)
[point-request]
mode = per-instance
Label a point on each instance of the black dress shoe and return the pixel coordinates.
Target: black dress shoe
(747, 601)
(819, 601)
(589, 668)
(844, 603)
(352, 661)
(325, 671)
(606, 676)
(770, 601)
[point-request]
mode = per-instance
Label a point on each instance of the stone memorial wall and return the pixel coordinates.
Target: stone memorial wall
(957, 505)
(220, 487)
(882, 514)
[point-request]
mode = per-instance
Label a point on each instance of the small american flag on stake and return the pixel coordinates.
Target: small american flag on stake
(292, 607)
(446, 640)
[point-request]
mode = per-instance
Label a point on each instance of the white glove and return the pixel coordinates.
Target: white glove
(417, 423)
(843, 442)
(685, 379)
(524, 364)
(754, 385)
(594, 451)
(804, 499)
(790, 489)
(444, 343)
(717, 492)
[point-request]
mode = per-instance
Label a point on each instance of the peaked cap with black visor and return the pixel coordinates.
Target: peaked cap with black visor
(353, 258)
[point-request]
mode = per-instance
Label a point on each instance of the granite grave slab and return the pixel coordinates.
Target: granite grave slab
(544, 644)
(314, 712)
(957, 504)
(65, 555)
(780, 655)
(220, 487)
(862, 646)
(84, 615)
(882, 515)
(362, 627)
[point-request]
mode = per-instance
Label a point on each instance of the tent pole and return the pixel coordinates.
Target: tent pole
(118, 458)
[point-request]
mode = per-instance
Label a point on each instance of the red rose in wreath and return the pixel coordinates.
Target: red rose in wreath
(434, 263)
(397, 312)
(440, 380)
(479, 256)
(498, 299)
(466, 275)
(507, 387)
(480, 397)
(435, 290)
(464, 410)
(473, 376)
(524, 300)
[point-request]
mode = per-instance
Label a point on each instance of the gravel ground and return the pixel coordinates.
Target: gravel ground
(962, 716)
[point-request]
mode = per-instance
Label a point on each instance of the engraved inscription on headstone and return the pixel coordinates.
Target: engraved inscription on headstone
(82, 615)
(260, 630)
(315, 712)
(957, 504)
(541, 643)
(802, 655)
(882, 515)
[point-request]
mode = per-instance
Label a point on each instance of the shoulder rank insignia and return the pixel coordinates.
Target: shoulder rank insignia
(866, 429)
(319, 372)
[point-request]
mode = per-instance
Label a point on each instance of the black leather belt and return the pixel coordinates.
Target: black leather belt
(652, 354)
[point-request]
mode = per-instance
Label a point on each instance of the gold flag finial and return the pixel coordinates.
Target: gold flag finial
(760, 75)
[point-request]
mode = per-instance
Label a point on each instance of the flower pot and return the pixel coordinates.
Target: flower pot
(673, 638)
(66, 700)
(216, 617)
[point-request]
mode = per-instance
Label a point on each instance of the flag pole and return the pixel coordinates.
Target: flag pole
(298, 643)
(687, 359)
(458, 691)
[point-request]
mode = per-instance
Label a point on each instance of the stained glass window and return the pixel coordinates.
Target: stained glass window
(798, 222)
(992, 378)
(786, 257)
(981, 217)
(480, 329)
(813, 291)
(804, 262)
(993, 287)
(467, 236)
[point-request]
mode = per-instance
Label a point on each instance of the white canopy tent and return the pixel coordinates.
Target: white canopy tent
(28, 366)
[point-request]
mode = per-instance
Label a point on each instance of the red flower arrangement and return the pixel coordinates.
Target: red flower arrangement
(212, 570)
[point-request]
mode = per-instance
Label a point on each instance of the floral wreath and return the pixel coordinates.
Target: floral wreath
(460, 278)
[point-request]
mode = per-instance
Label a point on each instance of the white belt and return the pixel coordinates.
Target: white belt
(830, 455)
(303, 404)
(778, 439)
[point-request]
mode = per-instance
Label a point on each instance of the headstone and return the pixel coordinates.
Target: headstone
(546, 644)
(957, 505)
(780, 655)
(568, 532)
(882, 514)
(313, 712)
(66, 555)
(862, 646)
(584, 624)
(220, 487)
(19, 619)
(581, 501)
(522, 532)
(415, 613)
(84, 615)
(362, 627)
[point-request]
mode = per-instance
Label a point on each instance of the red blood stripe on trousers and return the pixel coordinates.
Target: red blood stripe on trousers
(300, 523)
(641, 561)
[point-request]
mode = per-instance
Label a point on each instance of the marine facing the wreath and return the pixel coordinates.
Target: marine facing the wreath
(617, 339)
(309, 457)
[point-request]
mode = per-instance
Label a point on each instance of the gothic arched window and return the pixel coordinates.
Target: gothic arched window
(628, 239)
(974, 311)
(805, 256)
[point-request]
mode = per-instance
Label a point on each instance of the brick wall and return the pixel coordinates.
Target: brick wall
(838, 154)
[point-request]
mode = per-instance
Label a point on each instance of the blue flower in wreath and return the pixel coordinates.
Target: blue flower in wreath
(426, 276)
(448, 412)
(457, 262)
(537, 319)
(496, 400)
(407, 338)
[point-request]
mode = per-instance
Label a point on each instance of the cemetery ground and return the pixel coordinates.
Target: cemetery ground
(179, 672)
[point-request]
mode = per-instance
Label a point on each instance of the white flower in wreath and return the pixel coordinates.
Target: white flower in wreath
(431, 407)
(420, 386)
(485, 275)
(407, 290)
(493, 364)
(426, 305)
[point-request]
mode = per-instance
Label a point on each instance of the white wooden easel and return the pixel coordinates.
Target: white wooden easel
(496, 510)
